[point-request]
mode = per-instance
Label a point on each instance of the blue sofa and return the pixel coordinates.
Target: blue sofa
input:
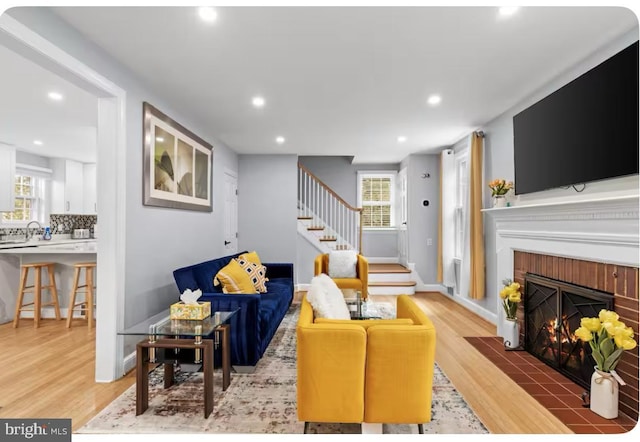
(260, 314)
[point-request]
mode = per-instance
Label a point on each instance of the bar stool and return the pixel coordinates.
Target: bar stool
(37, 289)
(85, 306)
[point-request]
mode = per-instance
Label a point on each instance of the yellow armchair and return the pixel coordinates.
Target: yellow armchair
(372, 371)
(360, 282)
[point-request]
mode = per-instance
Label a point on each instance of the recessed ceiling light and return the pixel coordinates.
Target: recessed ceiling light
(207, 14)
(159, 139)
(402, 139)
(257, 101)
(38, 142)
(506, 11)
(434, 100)
(55, 96)
(280, 140)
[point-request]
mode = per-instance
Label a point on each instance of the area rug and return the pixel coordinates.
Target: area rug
(261, 402)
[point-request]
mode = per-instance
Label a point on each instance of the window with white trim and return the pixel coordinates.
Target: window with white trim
(28, 201)
(462, 189)
(376, 196)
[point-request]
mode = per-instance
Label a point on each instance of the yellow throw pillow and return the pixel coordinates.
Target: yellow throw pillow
(234, 279)
(251, 256)
(257, 274)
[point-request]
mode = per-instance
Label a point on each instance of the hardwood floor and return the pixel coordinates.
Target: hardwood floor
(501, 405)
(49, 372)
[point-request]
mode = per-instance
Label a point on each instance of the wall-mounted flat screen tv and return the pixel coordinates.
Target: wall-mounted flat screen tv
(585, 131)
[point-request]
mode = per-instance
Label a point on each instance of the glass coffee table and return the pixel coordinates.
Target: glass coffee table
(173, 334)
(359, 308)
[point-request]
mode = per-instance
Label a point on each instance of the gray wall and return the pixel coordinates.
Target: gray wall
(306, 254)
(267, 214)
(158, 240)
(32, 159)
(380, 243)
(339, 174)
(498, 150)
(422, 223)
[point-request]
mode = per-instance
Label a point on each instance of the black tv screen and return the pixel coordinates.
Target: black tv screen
(585, 131)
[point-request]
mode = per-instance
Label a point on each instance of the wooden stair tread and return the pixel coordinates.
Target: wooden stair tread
(393, 284)
(315, 228)
(305, 217)
(387, 268)
(328, 239)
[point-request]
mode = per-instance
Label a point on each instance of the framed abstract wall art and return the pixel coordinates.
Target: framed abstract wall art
(177, 164)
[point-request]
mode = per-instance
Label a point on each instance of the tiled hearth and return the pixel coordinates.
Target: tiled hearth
(560, 395)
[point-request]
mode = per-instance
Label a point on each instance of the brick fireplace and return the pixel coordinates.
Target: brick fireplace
(590, 244)
(621, 281)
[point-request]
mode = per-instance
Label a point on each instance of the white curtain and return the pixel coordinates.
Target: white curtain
(448, 217)
(465, 266)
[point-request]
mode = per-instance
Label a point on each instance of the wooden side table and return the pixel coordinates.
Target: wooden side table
(144, 355)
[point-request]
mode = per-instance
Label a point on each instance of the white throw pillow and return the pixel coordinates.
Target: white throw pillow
(342, 263)
(326, 299)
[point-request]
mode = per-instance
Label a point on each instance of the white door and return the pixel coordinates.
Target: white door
(230, 212)
(403, 240)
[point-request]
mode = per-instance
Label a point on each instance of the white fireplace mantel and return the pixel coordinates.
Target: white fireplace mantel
(600, 230)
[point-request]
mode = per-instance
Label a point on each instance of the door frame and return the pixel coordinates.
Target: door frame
(233, 174)
(111, 162)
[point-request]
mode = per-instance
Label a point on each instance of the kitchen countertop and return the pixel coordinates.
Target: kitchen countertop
(55, 245)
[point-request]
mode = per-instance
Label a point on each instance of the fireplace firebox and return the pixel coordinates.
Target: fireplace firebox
(552, 312)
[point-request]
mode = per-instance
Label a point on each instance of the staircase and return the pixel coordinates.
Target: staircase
(390, 279)
(330, 223)
(324, 218)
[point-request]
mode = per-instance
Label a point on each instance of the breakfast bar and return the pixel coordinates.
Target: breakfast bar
(64, 252)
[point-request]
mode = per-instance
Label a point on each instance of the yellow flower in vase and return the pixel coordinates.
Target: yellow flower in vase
(510, 296)
(591, 324)
(608, 338)
(584, 334)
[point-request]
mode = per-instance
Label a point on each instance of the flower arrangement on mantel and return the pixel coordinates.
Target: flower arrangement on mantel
(608, 338)
(500, 187)
(511, 297)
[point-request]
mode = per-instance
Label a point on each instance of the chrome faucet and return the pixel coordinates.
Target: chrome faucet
(28, 235)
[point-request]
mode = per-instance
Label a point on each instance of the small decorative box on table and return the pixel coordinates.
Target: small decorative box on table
(197, 312)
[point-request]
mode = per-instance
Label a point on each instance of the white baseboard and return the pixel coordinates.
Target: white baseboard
(475, 308)
(302, 287)
(432, 288)
(50, 313)
(130, 362)
(383, 259)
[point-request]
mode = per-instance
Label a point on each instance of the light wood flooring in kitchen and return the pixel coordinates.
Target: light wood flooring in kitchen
(49, 372)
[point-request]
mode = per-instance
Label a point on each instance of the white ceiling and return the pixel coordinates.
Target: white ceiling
(347, 80)
(66, 128)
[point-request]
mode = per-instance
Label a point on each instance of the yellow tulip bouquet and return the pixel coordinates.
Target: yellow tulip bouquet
(510, 296)
(608, 338)
(500, 186)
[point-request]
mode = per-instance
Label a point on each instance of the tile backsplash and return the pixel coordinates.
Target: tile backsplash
(66, 223)
(60, 224)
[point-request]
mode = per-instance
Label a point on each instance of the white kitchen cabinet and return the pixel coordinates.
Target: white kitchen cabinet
(89, 189)
(67, 187)
(7, 178)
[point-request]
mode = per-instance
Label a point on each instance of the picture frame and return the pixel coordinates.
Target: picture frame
(177, 164)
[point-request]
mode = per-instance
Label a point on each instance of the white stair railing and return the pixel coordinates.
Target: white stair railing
(327, 209)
